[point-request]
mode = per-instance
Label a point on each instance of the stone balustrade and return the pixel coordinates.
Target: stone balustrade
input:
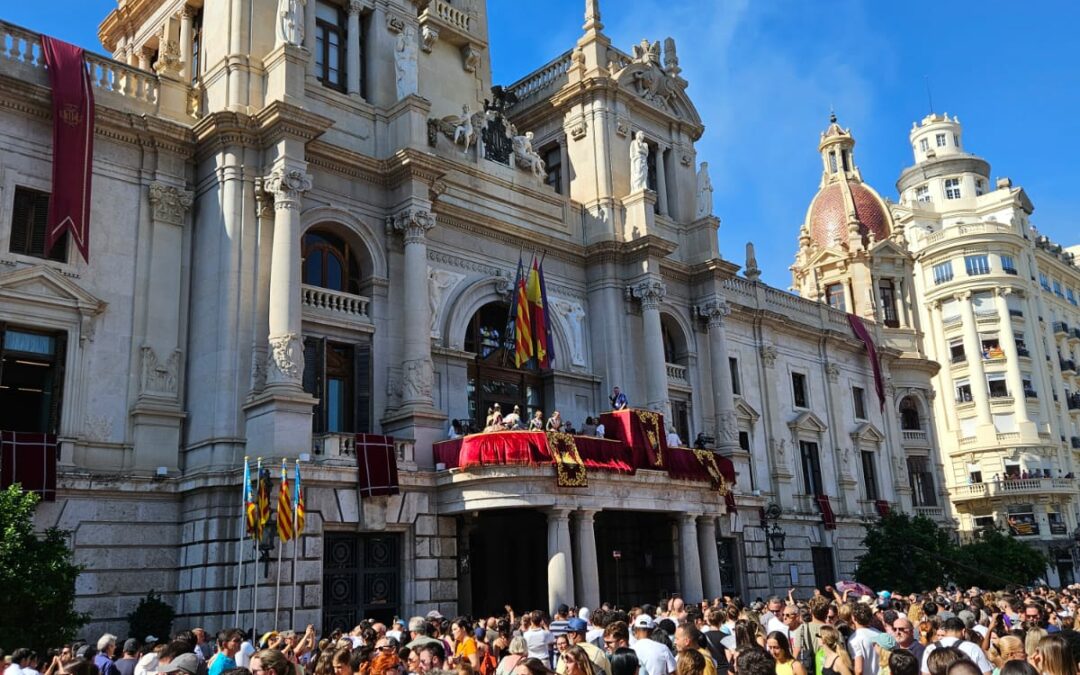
(345, 306)
(1015, 486)
(677, 373)
(547, 79)
(452, 15)
(334, 446)
(914, 437)
(932, 512)
(967, 230)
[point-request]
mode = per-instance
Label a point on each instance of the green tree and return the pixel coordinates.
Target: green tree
(996, 559)
(905, 554)
(152, 616)
(37, 579)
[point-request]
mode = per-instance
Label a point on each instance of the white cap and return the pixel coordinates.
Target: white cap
(644, 621)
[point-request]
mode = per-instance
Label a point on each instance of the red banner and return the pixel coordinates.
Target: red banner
(73, 144)
(377, 463)
(861, 332)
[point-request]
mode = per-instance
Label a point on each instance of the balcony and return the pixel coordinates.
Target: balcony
(334, 446)
(335, 307)
(1031, 393)
(1016, 313)
(676, 374)
(1074, 334)
(1061, 327)
(1067, 365)
(986, 316)
(931, 512)
(440, 20)
(1074, 441)
(1073, 401)
(1014, 487)
(915, 437)
(1023, 351)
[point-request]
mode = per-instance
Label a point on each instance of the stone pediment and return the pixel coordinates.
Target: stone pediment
(808, 421)
(826, 256)
(745, 411)
(867, 432)
(43, 285)
(644, 78)
(887, 248)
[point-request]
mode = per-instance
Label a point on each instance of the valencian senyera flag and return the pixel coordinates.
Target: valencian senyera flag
(538, 309)
(251, 511)
(284, 506)
(298, 504)
(523, 339)
(264, 498)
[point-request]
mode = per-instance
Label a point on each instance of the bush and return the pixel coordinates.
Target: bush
(152, 616)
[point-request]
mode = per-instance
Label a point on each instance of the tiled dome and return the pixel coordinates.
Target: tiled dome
(828, 214)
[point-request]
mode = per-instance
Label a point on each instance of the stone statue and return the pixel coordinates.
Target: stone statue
(575, 321)
(291, 22)
(439, 281)
(405, 62)
(464, 132)
(704, 192)
(526, 156)
(639, 163)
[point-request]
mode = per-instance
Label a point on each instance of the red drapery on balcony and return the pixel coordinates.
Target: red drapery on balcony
(377, 465)
(828, 518)
(29, 458)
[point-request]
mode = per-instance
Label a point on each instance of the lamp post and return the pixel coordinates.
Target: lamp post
(774, 537)
(266, 544)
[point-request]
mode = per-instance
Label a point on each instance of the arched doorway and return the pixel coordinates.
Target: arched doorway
(492, 375)
(909, 414)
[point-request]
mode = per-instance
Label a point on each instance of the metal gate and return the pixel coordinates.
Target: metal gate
(361, 579)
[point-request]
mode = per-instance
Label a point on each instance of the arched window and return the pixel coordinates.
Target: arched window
(329, 263)
(675, 349)
(909, 415)
(493, 378)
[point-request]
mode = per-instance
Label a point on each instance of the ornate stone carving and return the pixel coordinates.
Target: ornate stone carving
(671, 58)
(832, 371)
(258, 369)
(578, 128)
(779, 450)
(428, 36)
(686, 159)
(622, 126)
(460, 129)
(405, 69)
(159, 377)
(411, 223)
(751, 270)
(503, 286)
(728, 427)
(286, 359)
(650, 293)
(394, 22)
(901, 472)
(287, 186)
(639, 163)
(417, 378)
(647, 53)
(169, 204)
(526, 156)
(574, 315)
(768, 355)
(470, 58)
(439, 282)
(704, 192)
(168, 58)
(714, 312)
(291, 22)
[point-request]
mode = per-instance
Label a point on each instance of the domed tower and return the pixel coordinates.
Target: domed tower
(851, 254)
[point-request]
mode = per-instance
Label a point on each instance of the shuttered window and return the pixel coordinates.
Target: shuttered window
(29, 215)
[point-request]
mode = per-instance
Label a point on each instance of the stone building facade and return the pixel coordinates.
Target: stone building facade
(306, 224)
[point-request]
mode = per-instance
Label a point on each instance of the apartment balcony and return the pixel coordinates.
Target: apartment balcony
(1016, 313)
(1018, 487)
(1061, 328)
(1074, 335)
(440, 20)
(986, 316)
(1023, 352)
(1072, 401)
(1074, 441)
(342, 309)
(915, 438)
(1067, 365)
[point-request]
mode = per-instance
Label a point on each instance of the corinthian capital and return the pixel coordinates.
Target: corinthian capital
(169, 204)
(714, 311)
(650, 293)
(287, 186)
(411, 223)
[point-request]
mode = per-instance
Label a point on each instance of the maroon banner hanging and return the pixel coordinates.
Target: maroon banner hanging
(73, 144)
(859, 328)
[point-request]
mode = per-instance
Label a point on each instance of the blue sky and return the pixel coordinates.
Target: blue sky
(764, 73)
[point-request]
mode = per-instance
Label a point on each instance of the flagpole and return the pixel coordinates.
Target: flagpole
(258, 531)
(240, 542)
(510, 316)
(277, 596)
(296, 542)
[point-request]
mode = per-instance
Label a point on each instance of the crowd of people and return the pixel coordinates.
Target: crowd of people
(1019, 632)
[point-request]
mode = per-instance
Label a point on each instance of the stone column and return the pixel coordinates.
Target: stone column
(352, 55)
(661, 182)
(1012, 359)
(689, 559)
(560, 565)
(726, 427)
(310, 28)
(564, 166)
(710, 561)
(650, 293)
(941, 347)
(285, 365)
(145, 54)
(417, 371)
(973, 350)
(588, 570)
(186, 44)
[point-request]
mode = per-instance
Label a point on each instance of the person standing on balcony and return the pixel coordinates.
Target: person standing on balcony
(618, 400)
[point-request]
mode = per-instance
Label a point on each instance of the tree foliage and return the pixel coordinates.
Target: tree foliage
(910, 554)
(152, 616)
(37, 578)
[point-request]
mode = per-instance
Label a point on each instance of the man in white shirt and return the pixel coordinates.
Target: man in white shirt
(673, 440)
(19, 659)
(954, 633)
(538, 639)
(653, 657)
(861, 643)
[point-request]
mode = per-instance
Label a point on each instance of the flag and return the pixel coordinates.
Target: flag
(298, 503)
(523, 341)
(263, 499)
(539, 320)
(251, 512)
(284, 506)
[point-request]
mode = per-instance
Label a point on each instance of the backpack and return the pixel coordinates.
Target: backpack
(488, 663)
(716, 649)
(807, 653)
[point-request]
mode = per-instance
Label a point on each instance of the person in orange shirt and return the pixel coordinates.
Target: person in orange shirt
(464, 643)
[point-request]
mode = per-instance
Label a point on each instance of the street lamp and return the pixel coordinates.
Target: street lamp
(774, 534)
(266, 544)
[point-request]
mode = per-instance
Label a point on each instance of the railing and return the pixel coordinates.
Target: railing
(1072, 401)
(1013, 486)
(740, 290)
(550, 77)
(1067, 365)
(985, 315)
(345, 305)
(1023, 351)
(914, 436)
(934, 512)
(677, 373)
(958, 358)
(972, 491)
(1061, 327)
(968, 229)
(1008, 437)
(22, 46)
(451, 15)
(334, 445)
(1074, 442)
(785, 303)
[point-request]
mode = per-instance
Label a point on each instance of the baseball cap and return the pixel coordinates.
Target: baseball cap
(584, 613)
(576, 625)
(150, 640)
(131, 645)
(885, 641)
(434, 614)
(884, 594)
(85, 653)
(644, 621)
(185, 663)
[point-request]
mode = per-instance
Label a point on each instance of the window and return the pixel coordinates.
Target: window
(1044, 281)
(1022, 521)
(991, 348)
(1057, 289)
(909, 415)
(339, 376)
(980, 187)
(963, 391)
(887, 293)
(31, 379)
(924, 144)
(1029, 388)
(943, 272)
(921, 481)
(811, 468)
(956, 351)
(1021, 346)
(869, 473)
(552, 156)
(995, 384)
(832, 162)
(736, 384)
(922, 194)
(798, 389)
(196, 45)
(956, 140)
(834, 293)
(744, 443)
(952, 188)
(984, 522)
(1057, 522)
(940, 140)
(1070, 295)
(845, 156)
(974, 473)
(858, 396)
(977, 264)
(29, 219)
(329, 263)
(330, 44)
(1008, 265)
